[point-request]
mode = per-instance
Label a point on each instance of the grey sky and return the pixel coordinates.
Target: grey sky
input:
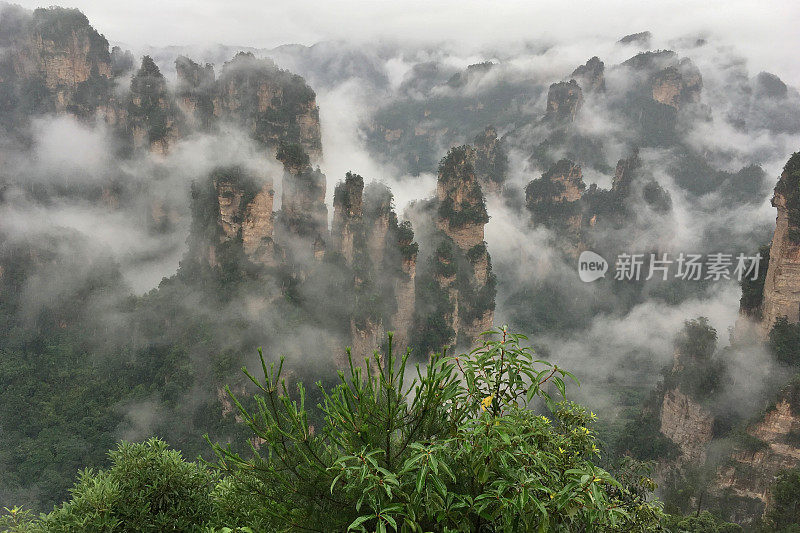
(764, 32)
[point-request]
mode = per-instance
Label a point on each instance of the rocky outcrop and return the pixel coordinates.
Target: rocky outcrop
(624, 174)
(348, 207)
(274, 105)
(687, 424)
(641, 38)
(232, 220)
(257, 227)
(669, 80)
(564, 100)
(53, 61)
(245, 212)
(569, 178)
(782, 283)
(768, 85)
(462, 208)
(303, 215)
(491, 160)
(122, 62)
(772, 445)
(381, 255)
(684, 419)
(151, 112)
(554, 199)
(405, 286)
(591, 76)
(379, 219)
(461, 217)
(677, 85)
(195, 91)
(471, 75)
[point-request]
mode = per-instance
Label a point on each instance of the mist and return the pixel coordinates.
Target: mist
(86, 220)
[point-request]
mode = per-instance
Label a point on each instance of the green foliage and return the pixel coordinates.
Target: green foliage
(148, 488)
(783, 513)
(749, 443)
(493, 164)
(704, 522)
(697, 340)
(434, 453)
(642, 439)
(405, 240)
(784, 341)
(695, 174)
(16, 520)
(543, 198)
(292, 155)
(476, 252)
(791, 394)
(789, 187)
(466, 213)
(698, 374)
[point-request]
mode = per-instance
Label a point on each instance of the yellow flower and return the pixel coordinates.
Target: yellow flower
(486, 402)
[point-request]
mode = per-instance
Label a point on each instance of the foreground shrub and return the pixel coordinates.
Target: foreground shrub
(460, 447)
(148, 488)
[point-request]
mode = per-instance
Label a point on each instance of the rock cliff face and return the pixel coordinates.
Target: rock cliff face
(348, 204)
(491, 161)
(303, 215)
(405, 286)
(782, 283)
(232, 220)
(53, 61)
(591, 76)
(677, 85)
(461, 217)
(554, 200)
(671, 81)
(564, 100)
(774, 446)
(257, 227)
(462, 209)
(151, 112)
(195, 91)
(382, 257)
(624, 174)
(687, 424)
(276, 106)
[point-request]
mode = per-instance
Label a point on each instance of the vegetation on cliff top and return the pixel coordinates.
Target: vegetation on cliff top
(789, 188)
